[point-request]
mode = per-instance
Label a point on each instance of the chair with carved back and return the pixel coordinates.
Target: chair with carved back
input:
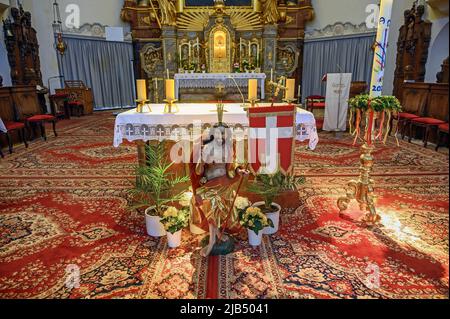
(435, 115)
(315, 102)
(27, 111)
(8, 126)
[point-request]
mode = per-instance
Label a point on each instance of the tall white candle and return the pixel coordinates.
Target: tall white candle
(379, 62)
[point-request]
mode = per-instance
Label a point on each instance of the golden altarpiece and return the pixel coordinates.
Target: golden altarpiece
(216, 36)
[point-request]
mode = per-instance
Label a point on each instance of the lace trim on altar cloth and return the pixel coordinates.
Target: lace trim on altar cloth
(134, 132)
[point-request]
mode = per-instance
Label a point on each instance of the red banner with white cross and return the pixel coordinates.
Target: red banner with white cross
(271, 139)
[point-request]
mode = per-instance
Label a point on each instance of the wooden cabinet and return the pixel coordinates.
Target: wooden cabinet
(78, 91)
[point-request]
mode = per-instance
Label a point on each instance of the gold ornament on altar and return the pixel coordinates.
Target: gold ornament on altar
(271, 15)
(168, 12)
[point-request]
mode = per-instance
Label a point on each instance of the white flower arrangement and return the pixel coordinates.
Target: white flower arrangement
(186, 199)
(175, 220)
(242, 203)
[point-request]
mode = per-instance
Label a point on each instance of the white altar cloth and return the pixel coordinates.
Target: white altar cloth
(210, 80)
(156, 125)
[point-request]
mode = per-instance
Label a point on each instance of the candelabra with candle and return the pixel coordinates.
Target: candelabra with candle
(253, 92)
(170, 98)
(290, 92)
(142, 99)
(362, 189)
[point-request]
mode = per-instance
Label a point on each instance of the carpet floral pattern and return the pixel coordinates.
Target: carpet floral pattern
(64, 204)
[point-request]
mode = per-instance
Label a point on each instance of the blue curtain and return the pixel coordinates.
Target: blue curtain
(104, 66)
(335, 55)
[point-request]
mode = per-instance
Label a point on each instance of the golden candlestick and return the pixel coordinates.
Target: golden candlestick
(290, 101)
(141, 103)
(362, 189)
(253, 102)
(169, 105)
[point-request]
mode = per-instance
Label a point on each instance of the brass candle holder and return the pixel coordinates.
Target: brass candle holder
(362, 189)
(290, 101)
(141, 104)
(170, 103)
(253, 102)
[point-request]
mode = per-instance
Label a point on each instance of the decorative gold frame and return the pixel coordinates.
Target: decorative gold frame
(213, 65)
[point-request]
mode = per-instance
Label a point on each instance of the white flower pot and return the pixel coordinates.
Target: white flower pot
(174, 240)
(153, 223)
(253, 239)
(274, 217)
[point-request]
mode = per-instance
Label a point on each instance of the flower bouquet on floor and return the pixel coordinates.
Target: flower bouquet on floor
(174, 221)
(255, 221)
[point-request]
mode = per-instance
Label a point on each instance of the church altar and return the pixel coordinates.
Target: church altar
(157, 125)
(211, 80)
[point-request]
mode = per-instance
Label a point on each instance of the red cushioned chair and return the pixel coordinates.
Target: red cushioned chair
(413, 107)
(315, 102)
(435, 117)
(76, 107)
(14, 127)
(34, 120)
(442, 130)
(404, 120)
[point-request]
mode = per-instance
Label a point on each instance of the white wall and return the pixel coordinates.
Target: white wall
(332, 11)
(438, 49)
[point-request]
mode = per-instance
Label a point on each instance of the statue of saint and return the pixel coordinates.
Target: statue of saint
(213, 182)
(271, 15)
(168, 12)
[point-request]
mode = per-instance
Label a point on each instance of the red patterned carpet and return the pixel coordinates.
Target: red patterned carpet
(64, 203)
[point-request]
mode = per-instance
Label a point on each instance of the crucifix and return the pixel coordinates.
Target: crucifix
(278, 86)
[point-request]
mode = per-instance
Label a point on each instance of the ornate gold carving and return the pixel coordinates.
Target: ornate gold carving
(219, 49)
(242, 19)
(288, 58)
(150, 58)
(168, 12)
(271, 15)
(362, 189)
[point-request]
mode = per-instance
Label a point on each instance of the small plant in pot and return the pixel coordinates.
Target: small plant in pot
(255, 221)
(268, 187)
(157, 187)
(174, 221)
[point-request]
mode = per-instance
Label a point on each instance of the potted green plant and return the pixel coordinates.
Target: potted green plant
(156, 187)
(174, 221)
(255, 221)
(268, 187)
